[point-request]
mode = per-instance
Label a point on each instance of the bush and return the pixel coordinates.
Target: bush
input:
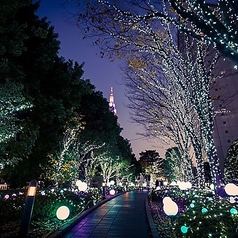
(200, 214)
(43, 220)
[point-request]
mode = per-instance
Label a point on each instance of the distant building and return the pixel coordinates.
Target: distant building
(224, 92)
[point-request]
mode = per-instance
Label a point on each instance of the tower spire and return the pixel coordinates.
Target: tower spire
(112, 105)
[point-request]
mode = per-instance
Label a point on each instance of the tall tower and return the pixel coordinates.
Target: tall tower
(112, 105)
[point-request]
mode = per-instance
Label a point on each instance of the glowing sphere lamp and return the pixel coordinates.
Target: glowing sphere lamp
(182, 186)
(231, 189)
(112, 192)
(167, 200)
(171, 208)
(82, 186)
(62, 213)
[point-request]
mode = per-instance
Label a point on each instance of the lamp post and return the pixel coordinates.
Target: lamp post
(28, 208)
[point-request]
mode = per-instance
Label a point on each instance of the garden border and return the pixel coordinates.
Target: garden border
(153, 228)
(61, 231)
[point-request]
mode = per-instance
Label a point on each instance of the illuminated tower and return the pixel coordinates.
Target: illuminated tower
(112, 105)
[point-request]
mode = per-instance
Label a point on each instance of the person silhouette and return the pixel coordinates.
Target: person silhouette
(141, 181)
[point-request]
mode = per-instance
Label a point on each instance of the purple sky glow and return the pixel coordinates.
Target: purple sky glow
(101, 72)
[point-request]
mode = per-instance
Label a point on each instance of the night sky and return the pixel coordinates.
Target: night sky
(101, 72)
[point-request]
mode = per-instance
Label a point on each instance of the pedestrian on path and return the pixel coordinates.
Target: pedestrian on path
(141, 182)
(147, 177)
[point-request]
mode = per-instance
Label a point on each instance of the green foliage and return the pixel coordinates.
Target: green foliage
(136, 167)
(61, 171)
(59, 98)
(149, 156)
(52, 86)
(214, 221)
(100, 124)
(12, 101)
(94, 194)
(151, 162)
(46, 205)
(172, 165)
(11, 206)
(43, 220)
(204, 214)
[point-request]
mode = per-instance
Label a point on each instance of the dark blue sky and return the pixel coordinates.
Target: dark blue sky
(101, 72)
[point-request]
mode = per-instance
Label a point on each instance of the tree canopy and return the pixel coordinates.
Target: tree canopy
(213, 23)
(176, 79)
(51, 100)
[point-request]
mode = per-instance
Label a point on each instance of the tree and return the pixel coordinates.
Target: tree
(64, 166)
(173, 166)
(118, 29)
(11, 104)
(51, 85)
(100, 123)
(212, 24)
(50, 146)
(169, 100)
(148, 156)
(110, 166)
(152, 164)
(156, 104)
(13, 101)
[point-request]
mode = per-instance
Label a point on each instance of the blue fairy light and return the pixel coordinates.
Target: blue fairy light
(233, 211)
(184, 229)
(204, 210)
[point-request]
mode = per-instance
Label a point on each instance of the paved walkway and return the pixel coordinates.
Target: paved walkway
(121, 217)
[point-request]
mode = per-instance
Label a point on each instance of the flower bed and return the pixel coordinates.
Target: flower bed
(47, 202)
(200, 214)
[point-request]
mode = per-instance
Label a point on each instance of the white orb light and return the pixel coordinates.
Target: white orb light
(82, 186)
(188, 185)
(78, 182)
(231, 189)
(112, 182)
(171, 208)
(173, 183)
(167, 200)
(182, 186)
(62, 213)
(212, 187)
(112, 192)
